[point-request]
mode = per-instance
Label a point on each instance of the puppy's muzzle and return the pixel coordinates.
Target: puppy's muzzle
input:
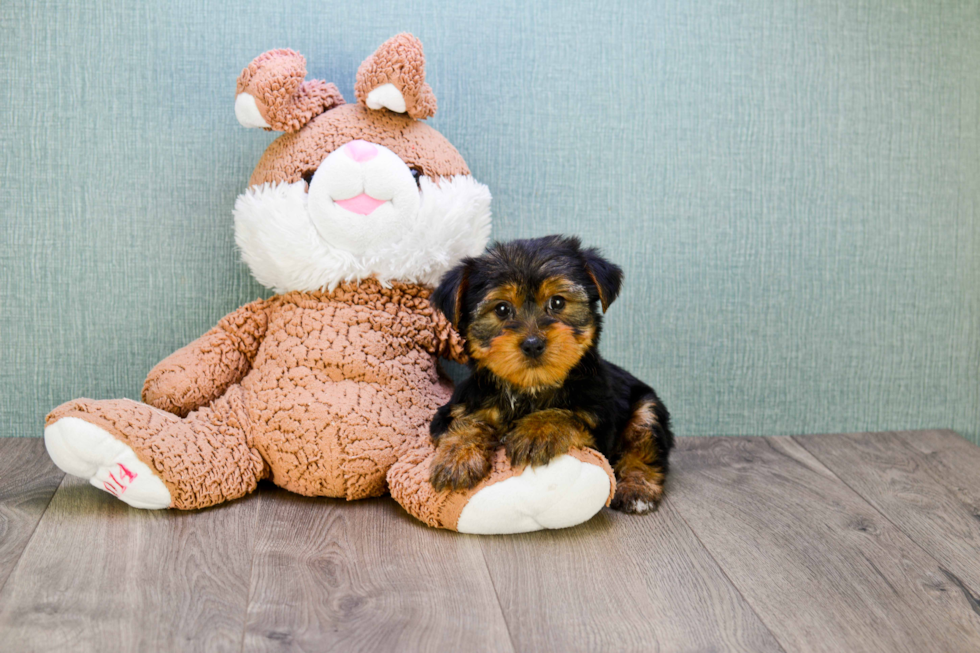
(533, 346)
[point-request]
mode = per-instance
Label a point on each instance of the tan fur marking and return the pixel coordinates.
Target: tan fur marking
(506, 360)
(565, 347)
(639, 484)
(463, 454)
(464, 284)
(546, 434)
(506, 293)
(589, 418)
(639, 490)
(638, 434)
(602, 296)
(566, 288)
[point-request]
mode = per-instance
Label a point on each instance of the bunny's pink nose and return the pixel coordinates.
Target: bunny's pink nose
(361, 151)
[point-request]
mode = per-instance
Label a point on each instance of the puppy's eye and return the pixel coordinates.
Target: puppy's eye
(416, 175)
(556, 303)
(502, 310)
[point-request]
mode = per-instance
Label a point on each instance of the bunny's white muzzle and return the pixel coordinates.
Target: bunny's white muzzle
(363, 197)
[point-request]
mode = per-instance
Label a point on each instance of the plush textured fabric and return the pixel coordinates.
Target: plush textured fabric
(793, 189)
(203, 460)
(293, 155)
(409, 479)
(201, 372)
(82, 448)
(336, 384)
(275, 80)
(400, 62)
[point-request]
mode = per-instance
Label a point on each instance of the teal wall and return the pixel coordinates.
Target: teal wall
(792, 187)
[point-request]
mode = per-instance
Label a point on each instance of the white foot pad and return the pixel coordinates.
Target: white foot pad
(83, 449)
(563, 493)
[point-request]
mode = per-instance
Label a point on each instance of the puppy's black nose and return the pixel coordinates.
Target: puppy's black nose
(533, 346)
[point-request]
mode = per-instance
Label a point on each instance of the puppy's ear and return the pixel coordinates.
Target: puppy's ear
(607, 276)
(450, 296)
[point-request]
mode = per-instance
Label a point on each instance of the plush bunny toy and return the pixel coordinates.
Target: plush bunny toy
(327, 388)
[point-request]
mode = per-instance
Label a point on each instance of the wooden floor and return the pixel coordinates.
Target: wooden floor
(866, 542)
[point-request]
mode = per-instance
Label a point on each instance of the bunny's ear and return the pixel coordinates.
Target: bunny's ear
(394, 78)
(271, 93)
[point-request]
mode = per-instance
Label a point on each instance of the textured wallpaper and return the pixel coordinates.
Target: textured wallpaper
(793, 188)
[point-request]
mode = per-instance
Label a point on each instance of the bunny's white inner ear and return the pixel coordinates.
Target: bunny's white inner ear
(386, 96)
(248, 113)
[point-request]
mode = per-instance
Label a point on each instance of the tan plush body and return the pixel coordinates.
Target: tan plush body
(320, 392)
(328, 388)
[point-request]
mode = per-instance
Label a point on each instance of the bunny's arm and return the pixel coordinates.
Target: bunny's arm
(195, 375)
(449, 344)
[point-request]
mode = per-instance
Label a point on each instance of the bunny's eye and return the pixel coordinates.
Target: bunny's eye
(416, 175)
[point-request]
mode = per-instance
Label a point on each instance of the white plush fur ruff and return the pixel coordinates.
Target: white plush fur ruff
(284, 251)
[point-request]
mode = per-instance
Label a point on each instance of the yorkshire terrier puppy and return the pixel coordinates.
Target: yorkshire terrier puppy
(529, 310)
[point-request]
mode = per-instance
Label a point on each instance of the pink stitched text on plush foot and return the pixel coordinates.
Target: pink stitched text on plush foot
(121, 484)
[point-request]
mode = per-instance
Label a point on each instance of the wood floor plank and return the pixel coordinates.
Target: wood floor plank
(954, 460)
(100, 576)
(935, 502)
(335, 576)
(28, 480)
(822, 568)
(620, 583)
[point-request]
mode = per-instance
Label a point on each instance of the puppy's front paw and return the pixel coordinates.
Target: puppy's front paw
(535, 449)
(458, 467)
(540, 437)
(637, 495)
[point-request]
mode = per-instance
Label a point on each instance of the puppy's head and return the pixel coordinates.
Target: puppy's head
(530, 309)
